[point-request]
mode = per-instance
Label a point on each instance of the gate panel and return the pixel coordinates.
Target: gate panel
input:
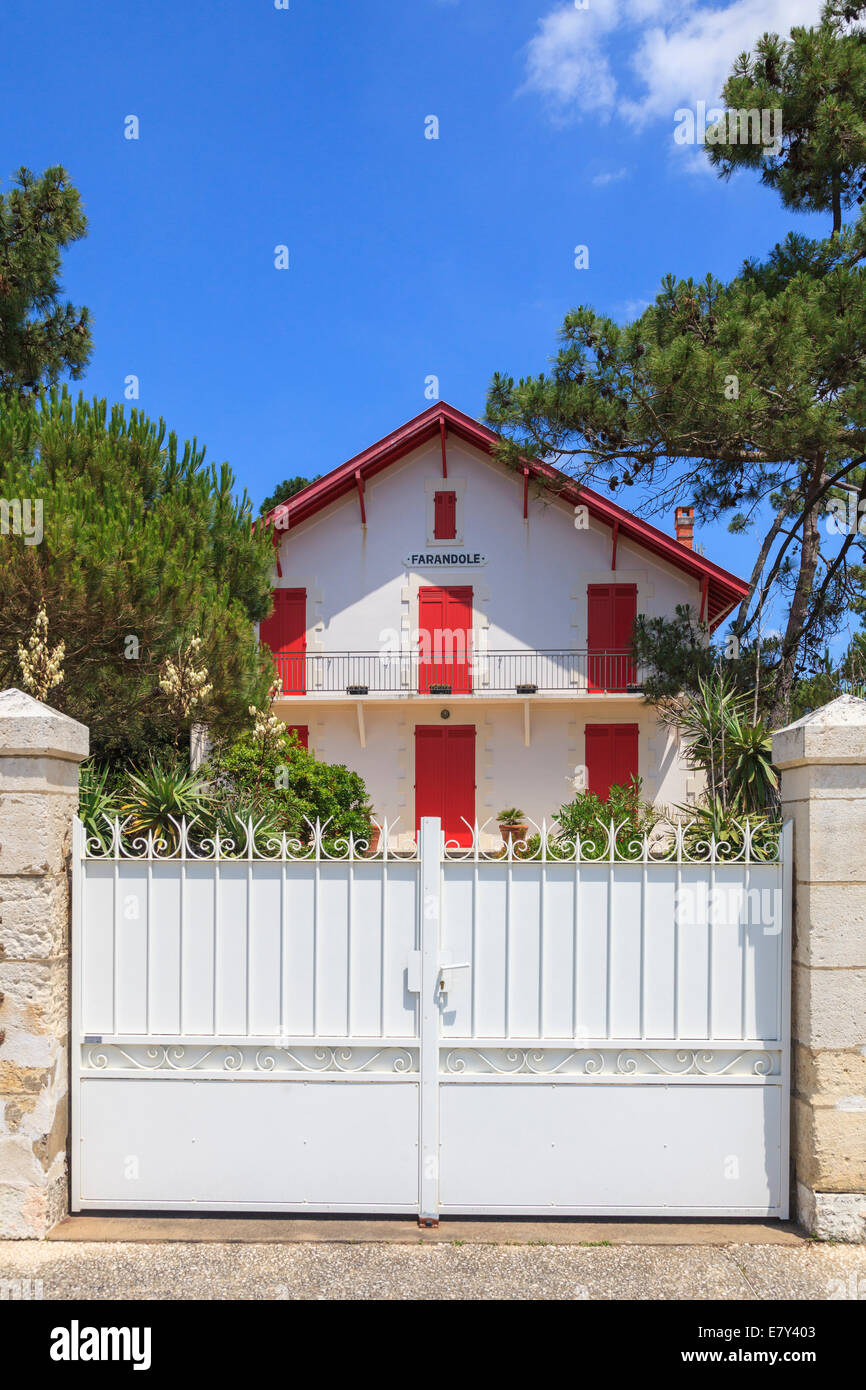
(616, 1039)
(244, 1036)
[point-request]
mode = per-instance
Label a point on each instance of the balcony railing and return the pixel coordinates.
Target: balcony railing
(508, 672)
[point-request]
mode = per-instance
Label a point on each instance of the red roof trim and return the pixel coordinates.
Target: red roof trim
(724, 590)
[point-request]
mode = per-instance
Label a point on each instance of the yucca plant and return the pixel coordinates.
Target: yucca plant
(160, 795)
(712, 820)
(752, 779)
(233, 820)
(734, 753)
(97, 802)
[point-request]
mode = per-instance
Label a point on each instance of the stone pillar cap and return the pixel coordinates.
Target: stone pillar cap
(29, 729)
(835, 733)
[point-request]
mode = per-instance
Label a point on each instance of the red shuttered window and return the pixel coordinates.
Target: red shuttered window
(611, 611)
(285, 632)
(611, 757)
(445, 639)
(445, 516)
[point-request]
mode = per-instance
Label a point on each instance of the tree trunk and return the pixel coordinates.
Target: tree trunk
(809, 556)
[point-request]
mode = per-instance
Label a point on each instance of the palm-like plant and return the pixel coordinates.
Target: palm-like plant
(159, 797)
(752, 779)
(234, 820)
(97, 803)
(734, 754)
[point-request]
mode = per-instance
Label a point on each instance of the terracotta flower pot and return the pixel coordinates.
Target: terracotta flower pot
(513, 831)
(375, 837)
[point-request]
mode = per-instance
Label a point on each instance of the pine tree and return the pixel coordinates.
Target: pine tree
(284, 490)
(816, 79)
(40, 338)
(144, 549)
(731, 397)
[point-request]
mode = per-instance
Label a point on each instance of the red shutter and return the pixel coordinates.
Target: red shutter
(611, 610)
(611, 757)
(445, 778)
(445, 516)
(445, 639)
(303, 733)
(285, 632)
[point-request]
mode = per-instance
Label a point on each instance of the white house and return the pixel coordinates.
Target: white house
(458, 632)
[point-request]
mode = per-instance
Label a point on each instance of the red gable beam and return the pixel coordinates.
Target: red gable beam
(444, 448)
(359, 479)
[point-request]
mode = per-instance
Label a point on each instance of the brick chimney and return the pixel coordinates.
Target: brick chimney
(684, 522)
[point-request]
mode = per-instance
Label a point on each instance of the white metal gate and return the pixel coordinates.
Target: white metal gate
(434, 1032)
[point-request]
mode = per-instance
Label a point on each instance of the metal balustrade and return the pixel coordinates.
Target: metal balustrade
(520, 672)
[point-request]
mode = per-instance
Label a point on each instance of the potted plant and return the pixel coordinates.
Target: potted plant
(513, 824)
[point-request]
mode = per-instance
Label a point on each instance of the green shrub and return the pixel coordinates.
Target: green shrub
(283, 783)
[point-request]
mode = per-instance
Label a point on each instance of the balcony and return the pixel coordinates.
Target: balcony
(497, 673)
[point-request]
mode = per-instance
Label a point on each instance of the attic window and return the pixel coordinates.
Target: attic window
(445, 516)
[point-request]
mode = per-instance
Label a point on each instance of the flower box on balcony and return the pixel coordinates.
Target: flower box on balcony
(357, 690)
(439, 690)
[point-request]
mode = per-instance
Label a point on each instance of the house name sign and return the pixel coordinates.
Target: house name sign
(425, 559)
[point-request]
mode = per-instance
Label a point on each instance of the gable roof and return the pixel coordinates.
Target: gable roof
(722, 590)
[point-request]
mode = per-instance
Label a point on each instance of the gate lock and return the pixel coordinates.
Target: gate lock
(414, 972)
(444, 968)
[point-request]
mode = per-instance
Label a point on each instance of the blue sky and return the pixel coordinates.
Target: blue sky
(409, 257)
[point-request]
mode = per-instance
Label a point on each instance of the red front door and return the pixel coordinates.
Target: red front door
(445, 639)
(611, 611)
(611, 757)
(445, 778)
(285, 632)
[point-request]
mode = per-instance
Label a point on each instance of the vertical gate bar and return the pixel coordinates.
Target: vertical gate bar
(78, 968)
(543, 871)
(217, 885)
(385, 903)
(508, 880)
(575, 1002)
(316, 893)
(474, 981)
(249, 947)
(284, 950)
(743, 937)
(350, 884)
(115, 943)
(608, 947)
(786, 847)
(711, 913)
(643, 948)
(180, 929)
(430, 846)
(678, 896)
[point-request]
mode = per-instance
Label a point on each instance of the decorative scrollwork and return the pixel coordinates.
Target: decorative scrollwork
(274, 1059)
(511, 1061)
(184, 842)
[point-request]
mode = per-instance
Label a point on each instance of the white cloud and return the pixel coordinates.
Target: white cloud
(609, 176)
(667, 54)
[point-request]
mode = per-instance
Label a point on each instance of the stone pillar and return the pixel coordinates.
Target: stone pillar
(822, 759)
(40, 750)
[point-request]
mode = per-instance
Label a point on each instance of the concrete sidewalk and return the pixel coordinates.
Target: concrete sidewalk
(428, 1269)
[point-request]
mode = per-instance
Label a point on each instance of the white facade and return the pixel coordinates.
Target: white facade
(529, 594)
